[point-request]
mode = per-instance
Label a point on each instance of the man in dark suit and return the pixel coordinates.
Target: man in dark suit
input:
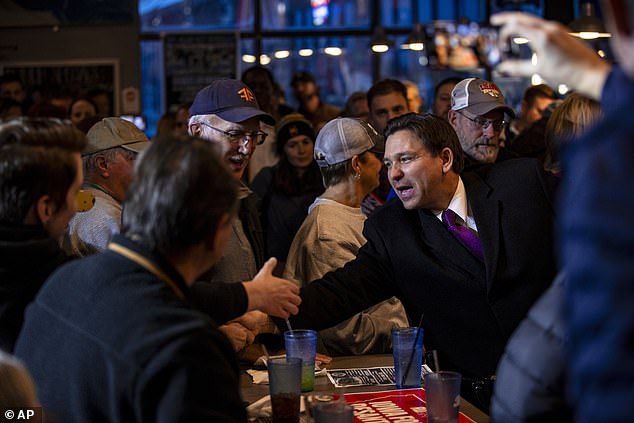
(472, 296)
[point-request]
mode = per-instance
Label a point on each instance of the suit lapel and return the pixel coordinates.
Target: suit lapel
(443, 245)
(486, 212)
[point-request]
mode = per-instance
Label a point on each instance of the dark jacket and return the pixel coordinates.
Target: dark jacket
(282, 214)
(27, 257)
(597, 242)
(107, 340)
(470, 308)
(530, 385)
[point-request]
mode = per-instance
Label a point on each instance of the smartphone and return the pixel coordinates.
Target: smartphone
(492, 50)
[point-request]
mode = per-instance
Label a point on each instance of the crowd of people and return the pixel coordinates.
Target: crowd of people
(136, 273)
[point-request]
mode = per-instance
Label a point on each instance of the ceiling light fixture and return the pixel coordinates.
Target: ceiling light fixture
(380, 43)
(588, 26)
(416, 39)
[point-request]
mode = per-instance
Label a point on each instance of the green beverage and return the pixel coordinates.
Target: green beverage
(302, 344)
(308, 377)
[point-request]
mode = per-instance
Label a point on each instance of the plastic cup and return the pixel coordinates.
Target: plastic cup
(302, 344)
(333, 412)
(285, 375)
(442, 394)
(407, 347)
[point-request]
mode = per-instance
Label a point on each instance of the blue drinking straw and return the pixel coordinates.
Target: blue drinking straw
(411, 356)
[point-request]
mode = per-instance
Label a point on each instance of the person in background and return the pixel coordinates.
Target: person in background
(11, 86)
(166, 125)
(332, 233)
(414, 99)
(387, 99)
(10, 109)
(573, 117)
(101, 99)
(306, 93)
(442, 97)
(535, 100)
(260, 80)
(596, 241)
(40, 177)
(114, 336)
(357, 106)
(181, 119)
(479, 115)
(108, 160)
(81, 108)
(288, 188)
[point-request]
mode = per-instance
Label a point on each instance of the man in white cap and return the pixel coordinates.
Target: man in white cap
(479, 115)
(113, 145)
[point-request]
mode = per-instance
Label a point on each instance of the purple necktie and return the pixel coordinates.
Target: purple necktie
(464, 234)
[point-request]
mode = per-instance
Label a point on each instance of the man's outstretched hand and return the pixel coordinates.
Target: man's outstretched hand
(272, 295)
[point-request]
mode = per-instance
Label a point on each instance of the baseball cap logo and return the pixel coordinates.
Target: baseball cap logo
(293, 131)
(490, 89)
(246, 94)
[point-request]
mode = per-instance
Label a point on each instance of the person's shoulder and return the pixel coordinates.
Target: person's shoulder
(261, 184)
(508, 170)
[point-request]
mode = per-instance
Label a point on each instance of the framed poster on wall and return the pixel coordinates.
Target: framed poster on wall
(192, 61)
(76, 77)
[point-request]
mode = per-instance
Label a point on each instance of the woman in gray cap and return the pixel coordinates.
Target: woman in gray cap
(332, 234)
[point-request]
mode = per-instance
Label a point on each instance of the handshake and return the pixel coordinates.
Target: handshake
(268, 296)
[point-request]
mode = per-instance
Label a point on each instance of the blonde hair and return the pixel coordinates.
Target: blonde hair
(573, 117)
(16, 386)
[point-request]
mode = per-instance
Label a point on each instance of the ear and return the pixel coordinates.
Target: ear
(44, 209)
(195, 129)
(446, 155)
(101, 163)
(356, 164)
(452, 117)
(523, 107)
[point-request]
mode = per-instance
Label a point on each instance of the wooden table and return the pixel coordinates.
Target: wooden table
(252, 392)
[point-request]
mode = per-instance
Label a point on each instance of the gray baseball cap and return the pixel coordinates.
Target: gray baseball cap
(342, 138)
(478, 97)
(114, 132)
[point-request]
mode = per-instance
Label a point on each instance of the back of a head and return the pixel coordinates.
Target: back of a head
(16, 385)
(179, 192)
(535, 91)
(36, 159)
(434, 132)
(452, 80)
(350, 102)
(384, 87)
(339, 141)
(575, 115)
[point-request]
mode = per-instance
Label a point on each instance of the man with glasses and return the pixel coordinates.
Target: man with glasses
(479, 115)
(113, 145)
(227, 113)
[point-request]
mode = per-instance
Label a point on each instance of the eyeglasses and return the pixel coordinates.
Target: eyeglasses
(479, 122)
(236, 136)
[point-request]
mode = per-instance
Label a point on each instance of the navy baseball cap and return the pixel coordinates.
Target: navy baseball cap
(230, 99)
